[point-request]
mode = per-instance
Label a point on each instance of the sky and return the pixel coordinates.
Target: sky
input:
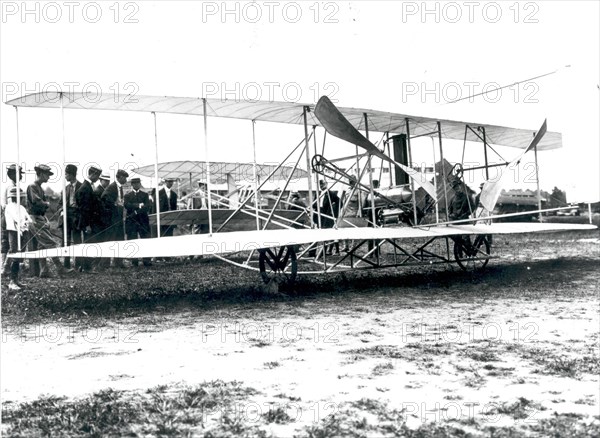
(407, 57)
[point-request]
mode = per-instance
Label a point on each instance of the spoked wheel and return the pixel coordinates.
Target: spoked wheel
(472, 253)
(278, 264)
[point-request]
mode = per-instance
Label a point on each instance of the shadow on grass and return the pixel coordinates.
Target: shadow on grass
(213, 284)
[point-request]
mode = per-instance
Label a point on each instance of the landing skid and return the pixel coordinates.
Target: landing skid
(284, 264)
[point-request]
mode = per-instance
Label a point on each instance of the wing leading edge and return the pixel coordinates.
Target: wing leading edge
(226, 243)
(283, 112)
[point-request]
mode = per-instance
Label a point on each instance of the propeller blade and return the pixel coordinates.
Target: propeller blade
(337, 125)
(491, 189)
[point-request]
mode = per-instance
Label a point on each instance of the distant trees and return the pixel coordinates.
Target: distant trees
(557, 198)
(49, 192)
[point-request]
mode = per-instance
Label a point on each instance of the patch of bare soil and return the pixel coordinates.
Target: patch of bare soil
(202, 350)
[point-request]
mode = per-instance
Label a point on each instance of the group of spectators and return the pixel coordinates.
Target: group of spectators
(97, 210)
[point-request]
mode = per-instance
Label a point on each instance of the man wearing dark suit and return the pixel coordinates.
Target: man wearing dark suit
(167, 200)
(102, 221)
(330, 207)
(103, 182)
(73, 230)
(89, 212)
(137, 204)
(113, 201)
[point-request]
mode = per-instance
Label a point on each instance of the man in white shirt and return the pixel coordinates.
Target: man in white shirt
(18, 222)
(11, 172)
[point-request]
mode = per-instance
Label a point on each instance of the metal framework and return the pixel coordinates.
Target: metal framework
(289, 261)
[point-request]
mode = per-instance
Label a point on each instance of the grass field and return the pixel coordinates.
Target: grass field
(201, 349)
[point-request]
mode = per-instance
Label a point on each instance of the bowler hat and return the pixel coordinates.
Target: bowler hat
(94, 169)
(121, 172)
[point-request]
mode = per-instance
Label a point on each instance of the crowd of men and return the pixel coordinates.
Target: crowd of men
(97, 210)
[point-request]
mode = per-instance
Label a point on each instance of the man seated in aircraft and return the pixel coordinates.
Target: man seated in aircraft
(329, 212)
(353, 207)
(367, 212)
(296, 203)
(460, 206)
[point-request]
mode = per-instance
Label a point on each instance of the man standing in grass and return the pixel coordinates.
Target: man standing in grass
(42, 237)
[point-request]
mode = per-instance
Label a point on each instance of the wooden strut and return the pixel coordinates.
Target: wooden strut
(418, 256)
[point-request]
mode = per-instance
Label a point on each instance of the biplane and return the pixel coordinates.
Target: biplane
(405, 222)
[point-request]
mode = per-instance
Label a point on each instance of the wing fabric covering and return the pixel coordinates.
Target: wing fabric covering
(226, 243)
(282, 112)
(492, 189)
(337, 125)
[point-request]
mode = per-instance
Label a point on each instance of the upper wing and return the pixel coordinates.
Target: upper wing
(285, 112)
(492, 189)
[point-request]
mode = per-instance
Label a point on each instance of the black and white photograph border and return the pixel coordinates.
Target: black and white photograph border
(300, 218)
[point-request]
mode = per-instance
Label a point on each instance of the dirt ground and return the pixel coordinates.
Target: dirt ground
(422, 352)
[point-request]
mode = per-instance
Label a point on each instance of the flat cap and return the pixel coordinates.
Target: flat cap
(71, 169)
